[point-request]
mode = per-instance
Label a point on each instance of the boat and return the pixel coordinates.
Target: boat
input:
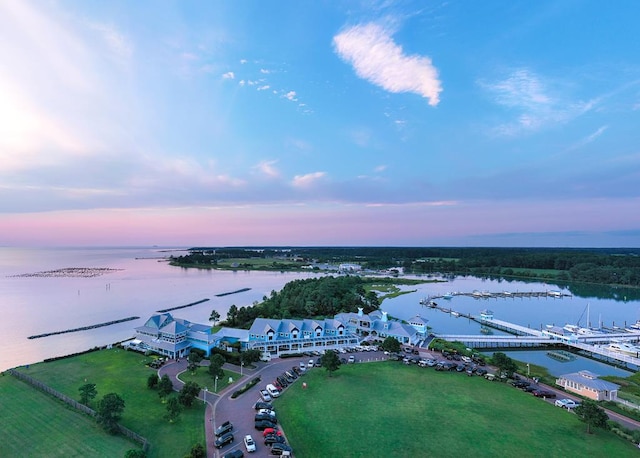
(485, 330)
(635, 327)
(624, 348)
(455, 313)
(448, 296)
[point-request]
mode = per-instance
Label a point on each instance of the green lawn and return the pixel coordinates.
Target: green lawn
(35, 424)
(124, 373)
(389, 409)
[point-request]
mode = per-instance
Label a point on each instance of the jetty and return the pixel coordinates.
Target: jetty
(476, 294)
(592, 345)
(84, 328)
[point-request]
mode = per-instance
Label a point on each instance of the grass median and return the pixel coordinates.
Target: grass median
(387, 409)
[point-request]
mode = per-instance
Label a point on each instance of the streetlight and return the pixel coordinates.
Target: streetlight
(216, 385)
(241, 366)
(205, 395)
(527, 369)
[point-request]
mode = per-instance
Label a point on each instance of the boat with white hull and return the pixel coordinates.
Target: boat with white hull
(624, 348)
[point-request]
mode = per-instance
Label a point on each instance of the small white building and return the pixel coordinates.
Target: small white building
(587, 384)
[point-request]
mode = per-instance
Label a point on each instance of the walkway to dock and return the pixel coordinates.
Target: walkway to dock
(521, 336)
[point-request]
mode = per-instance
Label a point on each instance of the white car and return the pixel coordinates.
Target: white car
(269, 412)
(266, 397)
(249, 443)
(567, 403)
(310, 363)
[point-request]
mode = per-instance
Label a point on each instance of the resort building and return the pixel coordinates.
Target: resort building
(378, 325)
(587, 384)
(175, 337)
(289, 336)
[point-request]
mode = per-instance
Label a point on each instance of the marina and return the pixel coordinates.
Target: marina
(616, 346)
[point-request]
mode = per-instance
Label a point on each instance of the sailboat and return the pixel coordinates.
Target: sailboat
(577, 329)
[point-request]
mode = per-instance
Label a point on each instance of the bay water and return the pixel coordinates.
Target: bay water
(143, 282)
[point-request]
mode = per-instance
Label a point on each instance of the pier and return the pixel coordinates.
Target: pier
(498, 295)
(592, 345)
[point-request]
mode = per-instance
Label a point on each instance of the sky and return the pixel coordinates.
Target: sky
(314, 123)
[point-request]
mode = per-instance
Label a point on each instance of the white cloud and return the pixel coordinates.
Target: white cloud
(265, 71)
(533, 100)
(229, 76)
(291, 95)
(268, 168)
(379, 60)
(243, 61)
(264, 88)
(305, 181)
(380, 168)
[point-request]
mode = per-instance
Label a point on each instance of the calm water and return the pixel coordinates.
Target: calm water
(146, 283)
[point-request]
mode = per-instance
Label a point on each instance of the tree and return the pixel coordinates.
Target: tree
(188, 393)
(152, 381)
(87, 393)
(215, 316)
(198, 451)
(216, 362)
(109, 412)
(592, 414)
(250, 356)
(173, 410)
(391, 344)
(504, 363)
(232, 315)
(165, 387)
(135, 453)
(194, 359)
(330, 362)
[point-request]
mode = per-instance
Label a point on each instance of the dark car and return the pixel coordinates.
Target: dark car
(531, 388)
(520, 383)
(279, 449)
(461, 368)
(262, 405)
(543, 393)
(261, 425)
(265, 416)
(481, 372)
(271, 439)
(224, 428)
(237, 453)
(223, 440)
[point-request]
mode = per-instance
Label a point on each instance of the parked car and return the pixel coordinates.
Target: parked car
(280, 449)
(520, 383)
(262, 405)
(318, 363)
(249, 443)
(264, 394)
(224, 428)
(271, 439)
(261, 425)
(223, 440)
(264, 416)
(352, 359)
(311, 363)
(237, 453)
(543, 393)
(272, 390)
(273, 430)
(481, 372)
(267, 412)
(303, 366)
(567, 403)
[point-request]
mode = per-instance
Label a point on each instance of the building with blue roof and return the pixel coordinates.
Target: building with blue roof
(587, 384)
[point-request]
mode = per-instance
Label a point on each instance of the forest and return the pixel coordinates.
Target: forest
(606, 266)
(313, 297)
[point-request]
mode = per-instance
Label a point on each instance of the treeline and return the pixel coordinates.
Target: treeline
(603, 266)
(607, 266)
(314, 297)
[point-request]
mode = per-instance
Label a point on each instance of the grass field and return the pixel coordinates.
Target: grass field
(35, 424)
(389, 409)
(124, 373)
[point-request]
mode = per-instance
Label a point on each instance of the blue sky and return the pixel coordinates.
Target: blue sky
(502, 123)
